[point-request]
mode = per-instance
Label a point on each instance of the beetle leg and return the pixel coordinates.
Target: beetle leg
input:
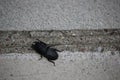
(52, 62)
(57, 50)
(40, 57)
(50, 45)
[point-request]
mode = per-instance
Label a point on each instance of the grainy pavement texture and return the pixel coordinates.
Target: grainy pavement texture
(86, 31)
(59, 14)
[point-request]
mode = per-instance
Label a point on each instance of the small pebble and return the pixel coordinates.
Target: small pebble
(100, 49)
(73, 34)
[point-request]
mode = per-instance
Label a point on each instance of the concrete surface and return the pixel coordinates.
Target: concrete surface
(59, 14)
(19, 62)
(69, 66)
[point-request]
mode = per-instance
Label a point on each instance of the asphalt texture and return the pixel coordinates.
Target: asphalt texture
(70, 40)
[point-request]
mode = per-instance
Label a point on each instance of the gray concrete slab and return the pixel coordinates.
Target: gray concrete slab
(59, 14)
(69, 66)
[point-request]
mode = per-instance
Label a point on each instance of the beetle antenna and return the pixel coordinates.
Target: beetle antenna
(38, 40)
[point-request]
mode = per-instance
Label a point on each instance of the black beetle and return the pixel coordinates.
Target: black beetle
(45, 50)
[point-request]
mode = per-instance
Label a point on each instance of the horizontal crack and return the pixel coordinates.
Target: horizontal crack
(80, 40)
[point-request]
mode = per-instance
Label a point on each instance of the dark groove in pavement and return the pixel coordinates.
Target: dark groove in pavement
(72, 40)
